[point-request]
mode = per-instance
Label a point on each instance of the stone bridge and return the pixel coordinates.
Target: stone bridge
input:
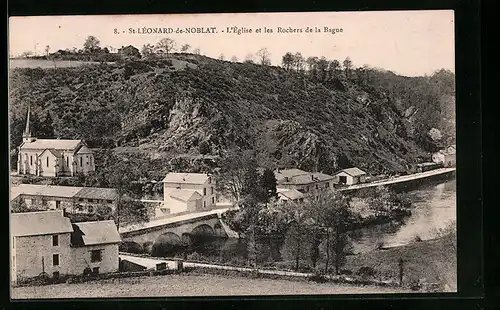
(179, 230)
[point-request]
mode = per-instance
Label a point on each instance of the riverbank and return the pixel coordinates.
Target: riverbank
(190, 284)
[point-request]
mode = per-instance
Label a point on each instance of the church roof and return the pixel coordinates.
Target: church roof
(57, 144)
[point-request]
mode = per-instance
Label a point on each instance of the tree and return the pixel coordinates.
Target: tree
(197, 51)
(264, 56)
(148, 51)
(91, 44)
(347, 67)
(331, 214)
(165, 46)
(185, 48)
(287, 61)
(333, 68)
(249, 58)
(234, 59)
(47, 50)
(268, 185)
(298, 61)
(322, 69)
(132, 212)
(221, 57)
(129, 51)
(26, 54)
(311, 65)
(46, 129)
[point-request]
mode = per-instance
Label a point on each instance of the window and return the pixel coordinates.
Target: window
(14, 261)
(95, 270)
(317, 186)
(13, 242)
(204, 191)
(58, 204)
(91, 200)
(55, 260)
(31, 160)
(47, 161)
(211, 190)
(81, 161)
(80, 199)
(55, 240)
(109, 201)
(327, 185)
(67, 161)
(204, 204)
(213, 200)
(95, 256)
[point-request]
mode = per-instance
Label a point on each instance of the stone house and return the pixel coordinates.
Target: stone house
(287, 195)
(307, 183)
(70, 198)
(53, 157)
(47, 243)
(189, 192)
(350, 176)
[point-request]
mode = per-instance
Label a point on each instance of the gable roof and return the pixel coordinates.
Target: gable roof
(39, 223)
(188, 178)
(63, 191)
(352, 171)
(185, 194)
(92, 233)
(291, 194)
(58, 144)
(281, 174)
(52, 151)
(45, 190)
(304, 178)
(97, 193)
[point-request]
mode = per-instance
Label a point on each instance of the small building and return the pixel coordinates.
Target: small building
(53, 157)
(288, 195)
(47, 243)
(70, 198)
(307, 183)
(189, 192)
(447, 156)
(350, 176)
(95, 247)
(423, 167)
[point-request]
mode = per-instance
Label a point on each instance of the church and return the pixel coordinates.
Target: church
(53, 157)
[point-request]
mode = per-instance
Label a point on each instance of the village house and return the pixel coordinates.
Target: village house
(53, 157)
(290, 195)
(350, 176)
(189, 192)
(291, 181)
(446, 156)
(69, 198)
(47, 243)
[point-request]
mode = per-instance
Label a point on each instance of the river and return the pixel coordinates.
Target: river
(434, 207)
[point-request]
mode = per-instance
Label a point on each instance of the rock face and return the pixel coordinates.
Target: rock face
(214, 106)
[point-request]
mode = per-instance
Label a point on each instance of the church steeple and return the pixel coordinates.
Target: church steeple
(27, 130)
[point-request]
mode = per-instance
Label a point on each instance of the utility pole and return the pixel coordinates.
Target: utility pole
(400, 265)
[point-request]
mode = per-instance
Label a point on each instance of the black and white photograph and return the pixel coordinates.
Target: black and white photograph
(242, 154)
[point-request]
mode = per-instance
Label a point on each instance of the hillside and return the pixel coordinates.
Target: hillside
(190, 104)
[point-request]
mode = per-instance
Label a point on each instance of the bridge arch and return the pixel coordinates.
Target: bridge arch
(202, 233)
(166, 244)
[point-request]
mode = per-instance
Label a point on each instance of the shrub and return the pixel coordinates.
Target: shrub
(417, 238)
(366, 272)
(195, 256)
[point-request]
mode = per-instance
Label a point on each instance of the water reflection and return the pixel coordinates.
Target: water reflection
(434, 208)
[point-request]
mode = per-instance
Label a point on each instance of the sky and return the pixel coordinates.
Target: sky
(409, 43)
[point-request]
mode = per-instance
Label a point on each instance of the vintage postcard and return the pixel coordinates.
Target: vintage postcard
(232, 154)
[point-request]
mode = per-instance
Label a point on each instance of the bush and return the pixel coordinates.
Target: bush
(195, 256)
(417, 239)
(366, 272)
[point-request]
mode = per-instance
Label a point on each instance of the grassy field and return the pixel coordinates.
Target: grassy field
(189, 285)
(432, 260)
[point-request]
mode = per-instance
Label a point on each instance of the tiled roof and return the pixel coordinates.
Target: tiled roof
(281, 174)
(292, 194)
(92, 233)
(184, 194)
(307, 178)
(97, 193)
(58, 144)
(45, 190)
(353, 171)
(39, 223)
(189, 178)
(63, 191)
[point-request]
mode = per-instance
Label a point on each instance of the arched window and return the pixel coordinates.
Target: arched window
(81, 161)
(47, 161)
(67, 161)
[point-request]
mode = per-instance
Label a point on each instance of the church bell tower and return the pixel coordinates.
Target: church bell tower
(27, 138)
